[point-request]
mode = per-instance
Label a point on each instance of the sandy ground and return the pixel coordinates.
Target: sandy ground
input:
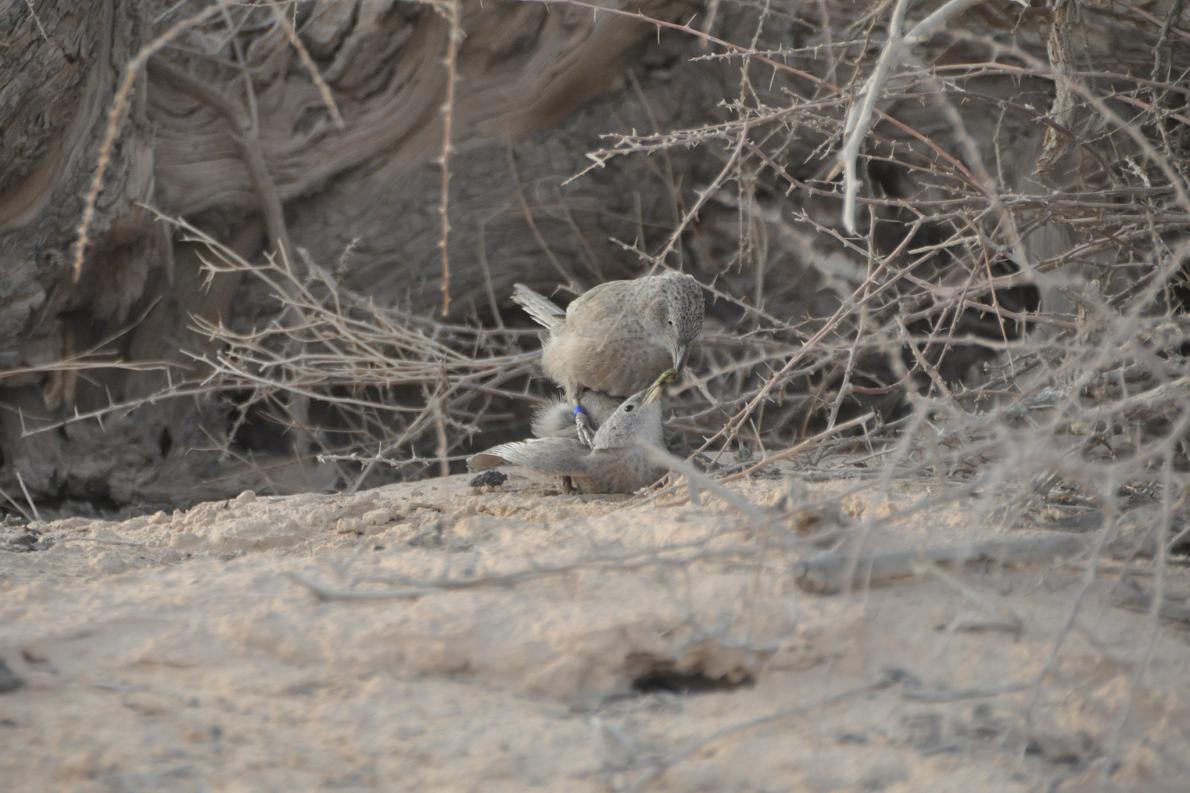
(183, 653)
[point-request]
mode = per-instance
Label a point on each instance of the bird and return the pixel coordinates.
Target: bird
(617, 460)
(616, 337)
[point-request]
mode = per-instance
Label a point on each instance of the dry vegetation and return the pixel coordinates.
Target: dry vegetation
(998, 281)
(944, 244)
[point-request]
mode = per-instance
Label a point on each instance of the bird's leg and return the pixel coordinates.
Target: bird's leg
(582, 425)
(582, 421)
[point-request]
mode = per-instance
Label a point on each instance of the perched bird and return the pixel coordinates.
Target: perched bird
(616, 462)
(617, 337)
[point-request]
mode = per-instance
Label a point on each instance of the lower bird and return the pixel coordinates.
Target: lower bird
(617, 460)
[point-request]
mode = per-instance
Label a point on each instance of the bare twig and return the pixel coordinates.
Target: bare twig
(324, 90)
(28, 498)
(451, 11)
(115, 117)
(836, 572)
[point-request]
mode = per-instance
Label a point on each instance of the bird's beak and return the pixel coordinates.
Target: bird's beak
(654, 392)
(680, 356)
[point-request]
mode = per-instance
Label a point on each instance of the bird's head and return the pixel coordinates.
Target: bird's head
(677, 311)
(636, 420)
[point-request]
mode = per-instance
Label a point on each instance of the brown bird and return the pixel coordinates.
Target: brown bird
(616, 462)
(617, 337)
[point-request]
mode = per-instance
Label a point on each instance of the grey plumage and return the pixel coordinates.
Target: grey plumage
(556, 420)
(616, 461)
(544, 311)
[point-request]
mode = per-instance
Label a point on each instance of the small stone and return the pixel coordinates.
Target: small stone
(376, 520)
(489, 478)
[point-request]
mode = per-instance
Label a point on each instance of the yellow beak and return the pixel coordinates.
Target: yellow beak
(664, 379)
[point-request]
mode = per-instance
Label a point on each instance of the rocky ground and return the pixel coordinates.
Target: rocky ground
(435, 636)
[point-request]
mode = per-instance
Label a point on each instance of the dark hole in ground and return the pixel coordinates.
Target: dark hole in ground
(672, 681)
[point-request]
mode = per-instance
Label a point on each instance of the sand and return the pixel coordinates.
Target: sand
(637, 646)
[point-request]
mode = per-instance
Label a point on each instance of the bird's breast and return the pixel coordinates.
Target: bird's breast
(619, 366)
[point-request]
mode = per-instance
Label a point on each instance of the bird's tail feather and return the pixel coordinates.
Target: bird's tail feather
(561, 456)
(484, 461)
(544, 311)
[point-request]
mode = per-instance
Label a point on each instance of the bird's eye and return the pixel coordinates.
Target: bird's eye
(670, 321)
(629, 408)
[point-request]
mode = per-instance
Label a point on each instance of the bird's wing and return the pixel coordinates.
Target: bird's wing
(604, 309)
(561, 456)
(543, 311)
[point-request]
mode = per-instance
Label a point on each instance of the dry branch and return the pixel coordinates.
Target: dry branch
(840, 571)
(115, 118)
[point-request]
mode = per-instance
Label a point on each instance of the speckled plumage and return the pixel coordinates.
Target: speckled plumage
(620, 335)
